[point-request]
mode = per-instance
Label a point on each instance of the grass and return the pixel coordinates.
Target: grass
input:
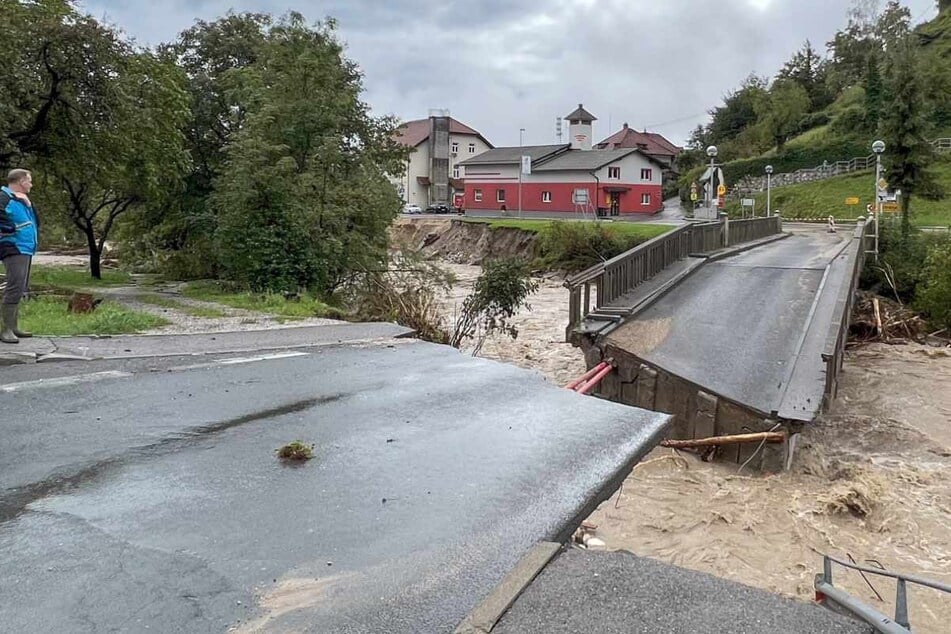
(290, 309)
(71, 277)
(821, 199)
(48, 316)
(637, 229)
(208, 312)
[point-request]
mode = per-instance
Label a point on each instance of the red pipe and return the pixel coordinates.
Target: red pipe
(593, 383)
(587, 375)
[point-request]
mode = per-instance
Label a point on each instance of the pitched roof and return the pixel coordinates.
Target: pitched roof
(510, 155)
(587, 160)
(412, 133)
(650, 143)
(580, 114)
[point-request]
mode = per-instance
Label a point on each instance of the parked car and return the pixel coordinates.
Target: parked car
(438, 208)
(412, 208)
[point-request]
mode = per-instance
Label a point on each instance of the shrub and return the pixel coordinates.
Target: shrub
(901, 267)
(849, 120)
(934, 294)
(574, 246)
(499, 292)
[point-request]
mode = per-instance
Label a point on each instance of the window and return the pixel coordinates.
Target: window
(477, 195)
(546, 197)
(455, 147)
(614, 172)
(646, 174)
(645, 199)
(472, 148)
(455, 172)
(500, 195)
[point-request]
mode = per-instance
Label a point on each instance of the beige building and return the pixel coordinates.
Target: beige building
(439, 144)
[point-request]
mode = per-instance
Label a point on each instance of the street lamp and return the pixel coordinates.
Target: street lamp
(712, 153)
(769, 176)
(521, 131)
(878, 147)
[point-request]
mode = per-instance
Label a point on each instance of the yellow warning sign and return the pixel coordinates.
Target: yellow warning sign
(882, 184)
(721, 190)
(852, 200)
(890, 206)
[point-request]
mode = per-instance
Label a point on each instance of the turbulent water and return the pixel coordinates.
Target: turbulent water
(871, 481)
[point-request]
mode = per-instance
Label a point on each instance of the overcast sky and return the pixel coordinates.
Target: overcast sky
(501, 65)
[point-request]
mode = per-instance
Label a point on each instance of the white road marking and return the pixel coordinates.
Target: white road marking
(240, 360)
(64, 380)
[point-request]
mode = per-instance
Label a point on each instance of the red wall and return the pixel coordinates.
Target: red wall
(561, 194)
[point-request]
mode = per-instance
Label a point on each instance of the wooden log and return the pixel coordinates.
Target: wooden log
(878, 316)
(714, 441)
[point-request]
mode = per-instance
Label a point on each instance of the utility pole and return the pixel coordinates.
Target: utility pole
(769, 174)
(878, 147)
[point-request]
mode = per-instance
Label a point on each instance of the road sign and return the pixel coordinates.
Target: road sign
(890, 206)
(852, 200)
(693, 195)
(882, 183)
(721, 201)
(526, 165)
(747, 202)
(721, 190)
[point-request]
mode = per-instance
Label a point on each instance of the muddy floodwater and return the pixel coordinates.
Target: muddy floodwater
(872, 479)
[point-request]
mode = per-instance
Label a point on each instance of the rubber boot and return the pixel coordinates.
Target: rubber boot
(8, 319)
(22, 334)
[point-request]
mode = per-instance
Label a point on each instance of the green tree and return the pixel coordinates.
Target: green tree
(904, 122)
(873, 94)
(125, 146)
(737, 113)
(781, 109)
(934, 295)
(808, 69)
(303, 200)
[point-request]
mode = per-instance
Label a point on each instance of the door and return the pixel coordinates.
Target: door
(615, 203)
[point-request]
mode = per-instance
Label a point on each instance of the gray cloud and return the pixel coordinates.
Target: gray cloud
(501, 65)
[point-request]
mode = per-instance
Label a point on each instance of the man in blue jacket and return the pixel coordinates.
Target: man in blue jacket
(19, 237)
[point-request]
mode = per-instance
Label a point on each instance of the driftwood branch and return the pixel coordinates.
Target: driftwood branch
(716, 441)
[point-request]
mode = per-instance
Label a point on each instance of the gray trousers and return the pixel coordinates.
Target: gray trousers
(17, 269)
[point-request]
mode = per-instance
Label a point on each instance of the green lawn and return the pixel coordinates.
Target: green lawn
(71, 277)
(639, 229)
(305, 306)
(170, 302)
(48, 316)
(821, 199)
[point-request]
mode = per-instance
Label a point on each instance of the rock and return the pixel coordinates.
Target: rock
(82, 303)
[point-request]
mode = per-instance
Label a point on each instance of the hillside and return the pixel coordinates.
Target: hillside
(821, 199)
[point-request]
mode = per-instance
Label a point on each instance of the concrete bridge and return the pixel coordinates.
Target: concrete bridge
(731, 328)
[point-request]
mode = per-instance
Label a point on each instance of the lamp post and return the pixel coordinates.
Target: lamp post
(712, 153)
(769, 176)
(878, 147)
(521, 131)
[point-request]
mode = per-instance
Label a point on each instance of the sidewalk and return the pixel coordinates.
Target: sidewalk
(51, 349)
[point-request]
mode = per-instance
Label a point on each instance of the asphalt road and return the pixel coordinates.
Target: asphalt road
(617, 592)
(736, 326)
(145, 495)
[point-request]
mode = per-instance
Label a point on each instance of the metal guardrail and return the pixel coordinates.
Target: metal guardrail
(827, 593)
(834, 351)
(609, 280)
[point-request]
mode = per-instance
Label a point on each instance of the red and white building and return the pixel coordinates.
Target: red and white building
(566, 179)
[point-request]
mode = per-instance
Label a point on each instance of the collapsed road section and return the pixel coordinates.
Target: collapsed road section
(155, 501)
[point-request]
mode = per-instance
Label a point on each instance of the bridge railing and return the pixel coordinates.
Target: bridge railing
(834, 351)
(750, 229)
(607, 281)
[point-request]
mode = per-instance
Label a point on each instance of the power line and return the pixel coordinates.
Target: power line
(690, 118)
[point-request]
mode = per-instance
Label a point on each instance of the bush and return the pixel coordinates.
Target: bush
(901, 267)
(934, 294)
(812, 120)
(849, 120)
(499, 292)
(574, 246)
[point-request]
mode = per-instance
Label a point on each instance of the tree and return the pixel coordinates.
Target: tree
(737, 113)
(904, 123)
(124, 145)
(808, 69)
(304, 201)
(873, 94)
(781, 109)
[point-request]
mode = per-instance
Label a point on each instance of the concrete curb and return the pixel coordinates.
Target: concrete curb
(716, 256)
(484, 616)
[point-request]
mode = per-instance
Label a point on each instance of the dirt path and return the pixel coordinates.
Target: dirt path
(871, 480)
